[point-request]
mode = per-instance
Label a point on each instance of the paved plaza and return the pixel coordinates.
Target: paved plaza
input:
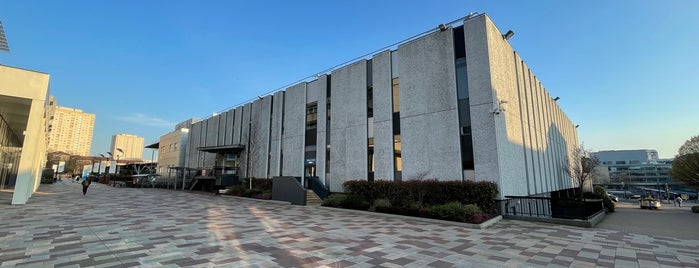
(126, 227)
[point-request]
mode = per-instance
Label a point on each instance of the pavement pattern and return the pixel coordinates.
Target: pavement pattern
(127, 227)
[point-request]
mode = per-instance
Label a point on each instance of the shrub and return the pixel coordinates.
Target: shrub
(450, 211)
(236, 190)
(334, 200)
(471, 209)
(380, 204)
(695, 208)
(609, 204)
(479, 218)
(265, 196)
(427, 192)
(250, 192)
(262, 184)
(355, 202)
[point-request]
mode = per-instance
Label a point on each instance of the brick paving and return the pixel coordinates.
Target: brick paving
(125, 227)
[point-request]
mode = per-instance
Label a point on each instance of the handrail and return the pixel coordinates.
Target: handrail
(547, 207)
(321, 190)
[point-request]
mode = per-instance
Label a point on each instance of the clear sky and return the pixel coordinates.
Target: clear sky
(627, 71)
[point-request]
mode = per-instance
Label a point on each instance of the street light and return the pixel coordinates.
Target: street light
(99, 166)
(117, 160)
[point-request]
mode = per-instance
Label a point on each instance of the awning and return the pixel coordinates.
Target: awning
(222, 149)
(153, 146)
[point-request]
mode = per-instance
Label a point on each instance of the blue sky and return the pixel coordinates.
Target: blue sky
(627, 71)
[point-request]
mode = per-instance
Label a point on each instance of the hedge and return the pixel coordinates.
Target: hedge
(426, 193)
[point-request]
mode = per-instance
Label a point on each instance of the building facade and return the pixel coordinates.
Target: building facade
(70, 130)
(127, 146)
(172, 149)
(455, 104)
(23, 130)
(634, 168)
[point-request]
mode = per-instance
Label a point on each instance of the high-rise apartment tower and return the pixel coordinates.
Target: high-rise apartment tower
(127, 146)
(71, 131)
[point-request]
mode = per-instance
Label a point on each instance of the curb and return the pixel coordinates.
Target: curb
(483, 225)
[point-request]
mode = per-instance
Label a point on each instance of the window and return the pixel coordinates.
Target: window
(370, 102)
(397, 153)
(395, 88)
(371, 159)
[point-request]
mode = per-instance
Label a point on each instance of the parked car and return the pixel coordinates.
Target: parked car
(614, 198)
(636, 196)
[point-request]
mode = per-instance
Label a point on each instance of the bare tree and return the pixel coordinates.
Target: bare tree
(581, 167)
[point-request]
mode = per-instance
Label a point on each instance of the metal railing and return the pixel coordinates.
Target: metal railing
(530, 206)
(317, 187)
(547, 207)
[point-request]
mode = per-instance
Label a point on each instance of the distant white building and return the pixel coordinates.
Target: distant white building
(634, 167)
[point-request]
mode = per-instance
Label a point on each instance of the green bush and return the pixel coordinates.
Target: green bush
(355, 202)
(262, 184)
(427, 193)
(334, 200)
(250, 192)
(235, 190)
(450, 211)
(600, 193)
(381, 204)
(471, 209)
(695, 208)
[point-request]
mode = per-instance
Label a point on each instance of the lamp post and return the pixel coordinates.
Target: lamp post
(623, 190)
(99, 166)
(117, 160)
(111, 156)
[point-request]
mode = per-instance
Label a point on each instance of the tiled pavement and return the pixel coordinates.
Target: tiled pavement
(123, 227)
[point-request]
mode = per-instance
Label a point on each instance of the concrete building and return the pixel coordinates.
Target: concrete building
(172, 150)
(457, 103)
(70, 130)
(127, 146)
(634, 168)
(23, 130)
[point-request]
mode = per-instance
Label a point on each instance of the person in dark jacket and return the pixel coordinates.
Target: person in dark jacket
(86, 183)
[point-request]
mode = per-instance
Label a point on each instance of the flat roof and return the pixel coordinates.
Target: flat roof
(222, 149)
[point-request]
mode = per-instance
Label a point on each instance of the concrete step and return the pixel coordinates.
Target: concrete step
(312, 198)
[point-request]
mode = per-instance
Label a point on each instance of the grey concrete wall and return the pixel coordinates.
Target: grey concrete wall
(244, 138)
(276, 135)
(508, 124)
(294, 130)
(523, 148)
(383, 117)
(194, 140)
(320, 86)
(237, 124)
(348, 128)
(212, 131)
(288, 189)
(230, 118)
(259, 141)
(222, 129)
(428, 108)
(482, 101)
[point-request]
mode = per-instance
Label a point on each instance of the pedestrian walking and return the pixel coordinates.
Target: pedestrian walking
(678, 200)
(86, 183)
